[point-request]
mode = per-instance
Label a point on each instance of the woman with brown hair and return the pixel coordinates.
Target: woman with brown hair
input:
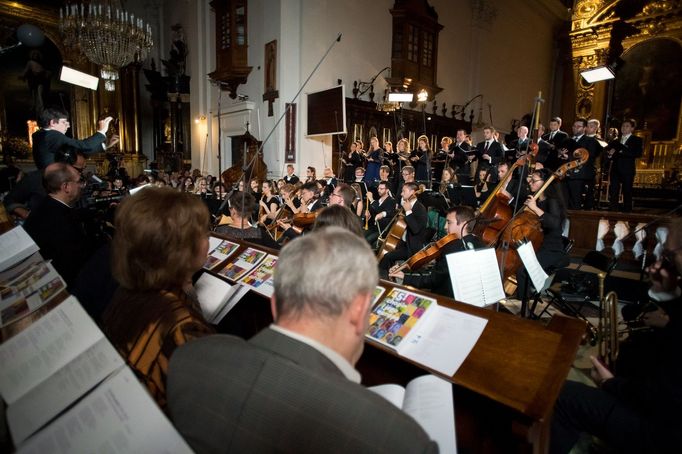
(161, 240)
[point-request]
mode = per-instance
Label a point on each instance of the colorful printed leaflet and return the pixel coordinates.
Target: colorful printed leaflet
(395, 318)
(220, 253)
(246, 261)
(260, 279)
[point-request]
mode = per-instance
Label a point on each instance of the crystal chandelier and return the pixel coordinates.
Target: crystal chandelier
(107, 35)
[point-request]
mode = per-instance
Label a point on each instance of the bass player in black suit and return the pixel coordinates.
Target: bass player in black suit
(623, 153)
(414, 237)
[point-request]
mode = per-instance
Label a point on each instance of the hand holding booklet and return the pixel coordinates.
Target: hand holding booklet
(428, 399)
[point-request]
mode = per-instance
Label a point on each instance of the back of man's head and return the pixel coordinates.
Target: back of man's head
(318, 275)
(55, 175)
(347, 194)
(51, 114)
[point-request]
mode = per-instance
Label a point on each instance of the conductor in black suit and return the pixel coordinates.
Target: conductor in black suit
(623, 152)
(580, 182)
(52, 138)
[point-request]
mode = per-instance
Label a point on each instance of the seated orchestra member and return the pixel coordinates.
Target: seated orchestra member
(289, 199)
(381, 212)
(415, 235)
(54, 223)
(459, 223)
(310, 203)
(549, 207)
(161, 240)
(339, 216)
(343, 195)
(268, 204)
(636, 408)
(293, 387)
(623, 152)
(358, 204)
(310, 175)
(290, 177)
(449, 187)
(511, 189)
(241, 205)
(408, 174)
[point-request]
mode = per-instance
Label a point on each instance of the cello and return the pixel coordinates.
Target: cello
(526, 226)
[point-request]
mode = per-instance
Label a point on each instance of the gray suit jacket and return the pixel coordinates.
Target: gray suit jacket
(275, 394)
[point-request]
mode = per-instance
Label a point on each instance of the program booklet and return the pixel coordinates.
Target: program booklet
(245, 262)
(395, 319)
(219, 251)
(217, 297)
(428, 399)
(260, 279)
(16, 245)
(26, 287)
(51, 364)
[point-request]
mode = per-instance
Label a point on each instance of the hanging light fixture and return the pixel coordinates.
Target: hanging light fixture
(107, 35)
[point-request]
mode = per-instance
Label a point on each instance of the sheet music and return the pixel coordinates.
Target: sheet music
(537, 275)
(118, 416)
(445, 341)
(46, 346)
(475, 277)
(429, 401)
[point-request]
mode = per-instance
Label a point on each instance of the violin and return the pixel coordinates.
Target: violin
(305, 219)
(429, 253)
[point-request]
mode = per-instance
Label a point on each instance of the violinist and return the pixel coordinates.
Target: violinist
(482, 186)
(289, 199)
(269, 204)
(550, 208)
(380, 212)
(310, 175)
(415, 235)
(241, 205)
(310, 203)
(459, 223)
(449, 186)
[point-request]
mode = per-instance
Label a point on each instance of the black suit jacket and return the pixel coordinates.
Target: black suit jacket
(587, 171)
(47, 142)
(387, 206)
(293, 179)
(494, 151)
(277, 394)
(548, 152)
(416, 227)
(58, 232)
(626, 154)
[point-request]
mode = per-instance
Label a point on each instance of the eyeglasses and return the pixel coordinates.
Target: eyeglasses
(532, 180)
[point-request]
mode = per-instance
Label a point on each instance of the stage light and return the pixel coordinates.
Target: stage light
(400, 97)
(597, 74)
(423, 95)
(81, 79)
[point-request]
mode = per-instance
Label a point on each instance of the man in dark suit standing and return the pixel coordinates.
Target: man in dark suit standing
(414, 237)
(293, 387)
(462, 156)
(580, 182)
(623, 152)
(555, 139)
(52, 138)
(520, 145)
(489, 151)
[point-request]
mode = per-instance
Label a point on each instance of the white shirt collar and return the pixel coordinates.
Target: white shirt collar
(339, 361)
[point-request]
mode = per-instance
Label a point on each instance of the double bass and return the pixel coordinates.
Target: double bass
(526, 226)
